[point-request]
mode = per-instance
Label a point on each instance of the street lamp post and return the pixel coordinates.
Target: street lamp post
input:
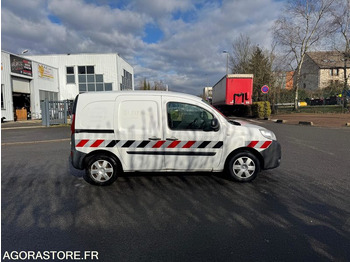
(227, 54)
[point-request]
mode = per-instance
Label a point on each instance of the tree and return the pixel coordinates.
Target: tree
(260, 66)
(302, 24)
(159, 85)
(145, 85)
(341, 24)
(242, 52)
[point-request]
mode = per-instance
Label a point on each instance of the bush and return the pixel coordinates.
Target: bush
(261, 109)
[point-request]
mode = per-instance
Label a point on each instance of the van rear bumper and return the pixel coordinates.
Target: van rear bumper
(76, 157)
(272, 155)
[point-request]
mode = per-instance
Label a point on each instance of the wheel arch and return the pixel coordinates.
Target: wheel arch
(102, 152)
(245, 149)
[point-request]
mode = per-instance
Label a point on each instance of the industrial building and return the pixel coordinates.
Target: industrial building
(28, 80)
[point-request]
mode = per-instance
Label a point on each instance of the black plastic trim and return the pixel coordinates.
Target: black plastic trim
(169, 153)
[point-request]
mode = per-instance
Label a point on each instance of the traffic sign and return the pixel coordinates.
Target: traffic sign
(265, 89)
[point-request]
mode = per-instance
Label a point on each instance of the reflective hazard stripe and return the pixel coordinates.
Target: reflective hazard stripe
(97, 143)
(252, 144)
(189, 144)
(148, 144)
(174, 144)
(82, 143)
(266, 144)
(158, 144)
(259, 144)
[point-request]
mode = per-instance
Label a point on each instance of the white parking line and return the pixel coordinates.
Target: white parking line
(35, 142)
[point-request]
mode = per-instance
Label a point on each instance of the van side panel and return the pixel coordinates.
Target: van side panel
(96, 115)
(138, 118)
(138, 128)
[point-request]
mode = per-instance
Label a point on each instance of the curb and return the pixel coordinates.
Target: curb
(305, 123)
(281, 121)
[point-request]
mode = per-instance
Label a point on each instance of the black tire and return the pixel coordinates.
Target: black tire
(101, 170)
(243, 167)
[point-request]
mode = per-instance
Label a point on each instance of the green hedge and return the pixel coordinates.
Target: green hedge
(261, 109)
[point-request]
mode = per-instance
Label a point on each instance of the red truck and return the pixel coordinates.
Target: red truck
(233, 92)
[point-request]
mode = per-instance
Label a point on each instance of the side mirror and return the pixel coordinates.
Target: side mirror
(214, 124)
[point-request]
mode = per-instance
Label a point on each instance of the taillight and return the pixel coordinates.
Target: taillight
(72, 126)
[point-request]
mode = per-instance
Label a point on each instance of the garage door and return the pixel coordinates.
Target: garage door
(20, 85)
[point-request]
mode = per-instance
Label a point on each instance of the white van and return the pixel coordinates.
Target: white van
(152, 131)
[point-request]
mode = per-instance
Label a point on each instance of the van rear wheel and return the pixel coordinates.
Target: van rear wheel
(101, 170)
(243, 167)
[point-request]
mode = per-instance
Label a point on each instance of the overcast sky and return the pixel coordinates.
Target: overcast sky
(179, 42)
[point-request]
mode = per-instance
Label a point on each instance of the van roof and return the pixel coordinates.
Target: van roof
(114, 94)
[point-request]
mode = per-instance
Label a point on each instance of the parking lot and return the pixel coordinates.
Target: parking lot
(297, 212)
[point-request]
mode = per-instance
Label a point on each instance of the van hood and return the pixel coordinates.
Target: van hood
(255, 130)
(244, 123)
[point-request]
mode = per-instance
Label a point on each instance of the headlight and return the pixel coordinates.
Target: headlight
(268, 134)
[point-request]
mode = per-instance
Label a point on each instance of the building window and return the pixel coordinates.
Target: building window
(91, 82)
(2, 97)
(47, 95)
(99, 78)
(126, 81)
(334, 72)
(70, 75)
(82, 78)
(108, 86)
(82, 88)
(81, 70)
(90, 70)
(99, 86)
(90, 78)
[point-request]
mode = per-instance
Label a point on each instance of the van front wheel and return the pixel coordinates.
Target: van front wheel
(101, 170)
(243, 167)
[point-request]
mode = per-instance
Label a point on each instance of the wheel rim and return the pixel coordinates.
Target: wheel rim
(101, 170)
(243, 167)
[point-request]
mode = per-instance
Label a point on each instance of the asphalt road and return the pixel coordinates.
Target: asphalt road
(297, 212)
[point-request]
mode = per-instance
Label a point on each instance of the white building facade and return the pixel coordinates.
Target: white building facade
(24, 83)
(58, 77)
(80, 73)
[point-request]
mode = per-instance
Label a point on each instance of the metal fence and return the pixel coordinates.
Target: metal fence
(56, 112)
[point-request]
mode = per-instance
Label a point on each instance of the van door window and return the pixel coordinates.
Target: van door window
(182, 116)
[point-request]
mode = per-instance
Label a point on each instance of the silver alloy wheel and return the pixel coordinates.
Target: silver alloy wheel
(243, 167)
(101, 170)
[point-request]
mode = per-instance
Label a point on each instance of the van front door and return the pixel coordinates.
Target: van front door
(192, 144)
(138, 132)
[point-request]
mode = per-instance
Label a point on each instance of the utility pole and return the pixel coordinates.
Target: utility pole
(345, 88)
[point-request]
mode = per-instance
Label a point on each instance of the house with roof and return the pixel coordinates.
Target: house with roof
(323, 69)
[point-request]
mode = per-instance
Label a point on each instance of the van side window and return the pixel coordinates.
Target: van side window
(183, 116)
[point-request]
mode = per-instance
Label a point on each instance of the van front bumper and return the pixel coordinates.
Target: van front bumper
(272, 155)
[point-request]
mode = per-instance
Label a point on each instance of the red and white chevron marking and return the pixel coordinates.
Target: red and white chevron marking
(100, 143)
(259, 144)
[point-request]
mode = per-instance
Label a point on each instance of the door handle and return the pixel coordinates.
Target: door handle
(172, 139)
(154, 138)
